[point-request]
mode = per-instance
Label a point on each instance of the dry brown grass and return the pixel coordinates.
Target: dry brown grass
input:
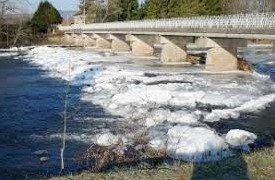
(256, 165)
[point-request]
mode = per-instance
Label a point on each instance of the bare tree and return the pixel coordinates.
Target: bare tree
(248, 6)
(12, 20)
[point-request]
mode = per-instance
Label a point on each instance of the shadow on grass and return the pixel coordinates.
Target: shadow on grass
(232, 168)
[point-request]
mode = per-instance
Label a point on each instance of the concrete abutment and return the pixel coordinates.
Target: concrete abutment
(78, 40)
(119, 43)
(88, 40)
(223, 53)
(142, 45)
(101, 41)
(273, 47)
(174, 48)
(69, 39)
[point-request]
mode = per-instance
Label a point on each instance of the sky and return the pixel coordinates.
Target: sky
(64, 5)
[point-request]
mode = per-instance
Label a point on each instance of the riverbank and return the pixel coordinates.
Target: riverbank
(256, 165)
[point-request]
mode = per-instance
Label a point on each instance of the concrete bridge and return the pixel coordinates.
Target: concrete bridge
(221, 34)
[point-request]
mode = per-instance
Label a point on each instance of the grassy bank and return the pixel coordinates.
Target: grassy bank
(256, 165)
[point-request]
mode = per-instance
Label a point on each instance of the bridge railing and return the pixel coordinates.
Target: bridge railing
(244, 21)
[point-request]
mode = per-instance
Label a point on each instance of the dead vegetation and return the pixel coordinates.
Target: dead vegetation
(100, 157)
(196, 59)
(243, 65)
(256, 165)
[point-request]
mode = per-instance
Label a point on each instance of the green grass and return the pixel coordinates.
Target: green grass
(255, 165)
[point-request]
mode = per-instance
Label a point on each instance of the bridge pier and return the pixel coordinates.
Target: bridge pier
(142, 45)
(174, 48)
(78, 40)
(69, 39)
(273, 47)
(119, 43)
(101, 41)
(88, 41)
(223, 53)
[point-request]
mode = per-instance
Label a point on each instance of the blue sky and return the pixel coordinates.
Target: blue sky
(59, 4)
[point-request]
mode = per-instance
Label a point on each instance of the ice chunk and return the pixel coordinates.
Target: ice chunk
(146, 98)
(195, 144)
(107, 139)
(248, 107)
(240, 138)
(161, 115)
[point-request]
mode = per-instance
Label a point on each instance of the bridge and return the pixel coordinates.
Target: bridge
(223, 35)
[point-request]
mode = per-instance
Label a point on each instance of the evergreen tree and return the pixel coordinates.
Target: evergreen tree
(153, 9)
(129, 10)
(213, 7)
(156, 9)
(45, 16)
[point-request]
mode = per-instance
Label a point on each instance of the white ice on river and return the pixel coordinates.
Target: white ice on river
(169, 105)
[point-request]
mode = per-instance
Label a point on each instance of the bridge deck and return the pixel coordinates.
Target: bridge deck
(248, 26)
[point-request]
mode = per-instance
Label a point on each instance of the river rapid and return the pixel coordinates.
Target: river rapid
(116, 98)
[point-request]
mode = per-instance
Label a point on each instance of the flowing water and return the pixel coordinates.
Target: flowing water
(31, 106)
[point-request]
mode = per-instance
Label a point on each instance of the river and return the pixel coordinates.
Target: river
(32, 101)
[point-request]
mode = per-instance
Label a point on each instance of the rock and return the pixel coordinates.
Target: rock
(41, 152)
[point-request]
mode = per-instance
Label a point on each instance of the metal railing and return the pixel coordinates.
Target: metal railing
(243, 21)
